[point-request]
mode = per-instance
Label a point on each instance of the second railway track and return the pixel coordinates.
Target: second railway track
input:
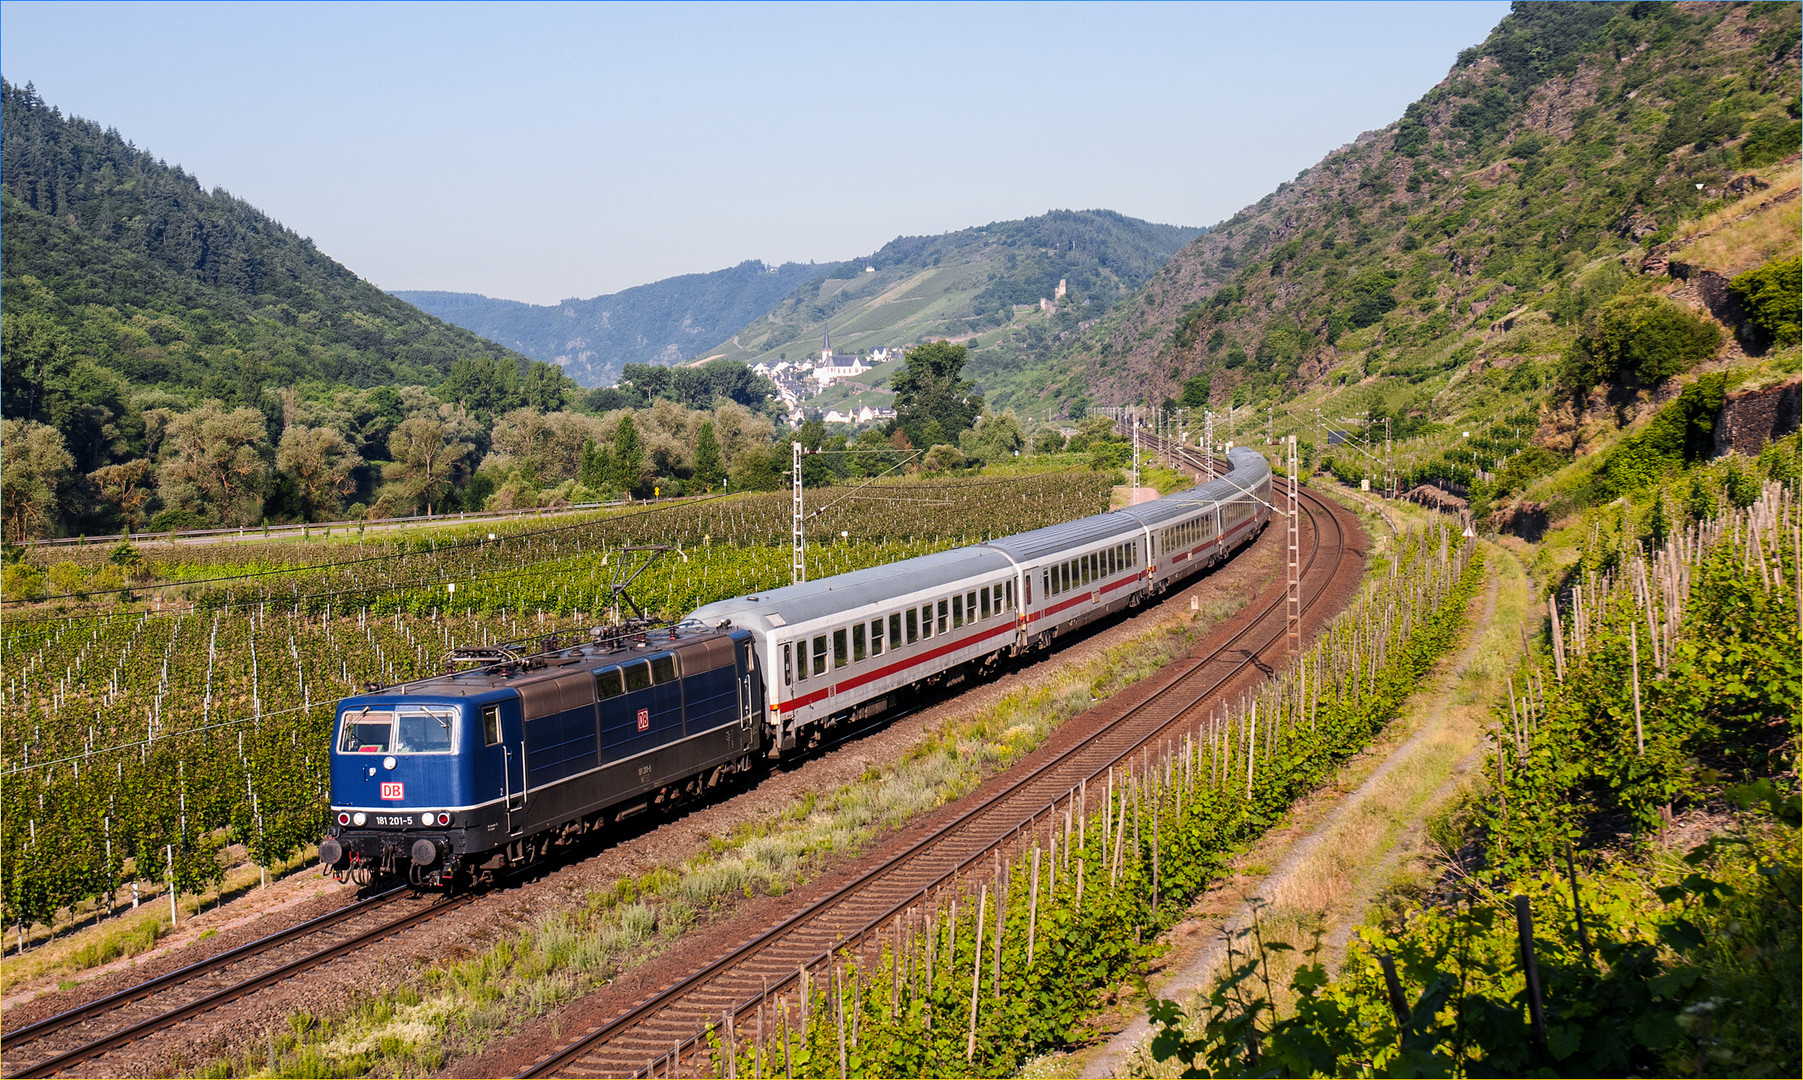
(672, 1020)
(88, 1031)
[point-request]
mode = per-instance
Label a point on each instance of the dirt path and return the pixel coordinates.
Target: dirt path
(1343, 847)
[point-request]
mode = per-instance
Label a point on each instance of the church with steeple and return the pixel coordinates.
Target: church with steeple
(836, 365)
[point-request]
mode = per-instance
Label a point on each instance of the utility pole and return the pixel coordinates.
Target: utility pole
(1208, 440)
(798, 567)
(1135, 493)
(1295, 569)
(1389, 462)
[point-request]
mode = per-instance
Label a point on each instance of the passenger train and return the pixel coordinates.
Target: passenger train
(454, 777)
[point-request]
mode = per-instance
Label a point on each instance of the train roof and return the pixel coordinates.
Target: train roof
(1036, 545)
(482, 682)
(1248, 468)
(833, 595)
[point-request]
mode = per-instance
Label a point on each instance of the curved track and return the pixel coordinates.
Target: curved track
(87, 1031)
(670, 1022)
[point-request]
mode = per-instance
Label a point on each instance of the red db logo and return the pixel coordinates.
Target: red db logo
(393, 789)
(644, 719)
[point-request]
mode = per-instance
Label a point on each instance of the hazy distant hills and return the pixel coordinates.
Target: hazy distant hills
(978, 281)
(660, 323)
(979, 285)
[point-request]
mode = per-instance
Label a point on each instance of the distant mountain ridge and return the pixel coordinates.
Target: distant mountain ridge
(662, 322)
(981, 286)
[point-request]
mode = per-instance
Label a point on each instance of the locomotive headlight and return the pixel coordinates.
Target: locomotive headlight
(388, 763)
(426, 818)
(358, 818)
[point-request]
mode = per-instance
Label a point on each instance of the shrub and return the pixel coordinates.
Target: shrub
(66, 578)
(1770, 295)
(1682, 431)
(1646, 338)
(21, 582)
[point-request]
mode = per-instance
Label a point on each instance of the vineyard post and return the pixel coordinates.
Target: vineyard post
(169, 854)
(1634, 659)
(976, 974)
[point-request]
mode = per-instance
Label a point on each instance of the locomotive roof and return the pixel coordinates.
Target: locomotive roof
(834, 595)
(484, 681)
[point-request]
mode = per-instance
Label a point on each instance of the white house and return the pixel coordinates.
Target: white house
(834, 366)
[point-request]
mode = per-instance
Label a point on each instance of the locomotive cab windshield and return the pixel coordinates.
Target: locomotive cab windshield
(409, 730)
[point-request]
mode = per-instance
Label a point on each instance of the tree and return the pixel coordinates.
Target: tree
(213, 463)
(1646, 338)
(592, 472)
(996, 437)
(37, 468)
(545, 387)
(931, 402)
(1773, 299)
(708, 468)
(943, 458)
(128, 488)
(425, 461)
(32, 353)
(1048, 440)
(628, 456)
(321, 465)
(1195, 391)
(482, 385)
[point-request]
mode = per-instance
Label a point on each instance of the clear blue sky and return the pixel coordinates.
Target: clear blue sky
(538, 152)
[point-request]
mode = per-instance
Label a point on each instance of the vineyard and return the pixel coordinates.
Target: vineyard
(135, 745)
(1635, 906)
(1008, 955)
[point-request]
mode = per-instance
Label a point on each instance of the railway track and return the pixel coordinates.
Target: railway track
(85, 1032)
(671, 1022)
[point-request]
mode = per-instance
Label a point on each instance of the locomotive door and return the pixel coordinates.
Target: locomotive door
(505, 746)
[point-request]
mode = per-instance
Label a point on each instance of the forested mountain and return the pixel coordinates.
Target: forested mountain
(1481, 229)
(966, 285)
(664, 322)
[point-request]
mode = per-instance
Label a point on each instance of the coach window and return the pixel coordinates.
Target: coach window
(876, 637)
(1008, 588)
(491, 719)
(895, 638)
(607, 683)
(839, 653)
(1064, 577)
(663, 669)
(820, 655)
(857, 642)
(970, 605)
(926, 620)
(788, 667)
(913, 626)
(1045, 582)
(983, 594)
(957, 612)
(1089, 569)
(638, 676)
(942, 616)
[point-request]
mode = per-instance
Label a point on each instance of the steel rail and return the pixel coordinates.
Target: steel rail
(646, 1010)
(206, 1003)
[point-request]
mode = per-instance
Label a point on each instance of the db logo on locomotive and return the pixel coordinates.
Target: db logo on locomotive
(393, 789)
(644, 719)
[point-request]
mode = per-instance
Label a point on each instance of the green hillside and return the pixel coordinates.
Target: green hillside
(594, 339)
(1479, 235)
(126, 285)
(977, 285)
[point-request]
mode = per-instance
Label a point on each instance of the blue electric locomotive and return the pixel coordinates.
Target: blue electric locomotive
(466, 773)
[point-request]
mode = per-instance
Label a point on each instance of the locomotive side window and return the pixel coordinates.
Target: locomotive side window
(839, 652)
(491, 723)
(788, 666)
(895, 633)
(607, 684)
(857, 642)
(942, 616)
(663, 669)
(638, 675)
(876, 637)
(820, 655)
(913, 626)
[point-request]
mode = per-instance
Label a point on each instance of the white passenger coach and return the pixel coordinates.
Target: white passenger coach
(847, 647)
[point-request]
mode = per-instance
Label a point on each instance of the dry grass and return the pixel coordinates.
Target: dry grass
(1736, 237)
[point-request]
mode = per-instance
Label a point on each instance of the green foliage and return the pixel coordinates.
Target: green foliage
(931, 396)
(1638, 337)
(1680, 432)
(1773, 298)
(1370, 297)
(708, 465)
